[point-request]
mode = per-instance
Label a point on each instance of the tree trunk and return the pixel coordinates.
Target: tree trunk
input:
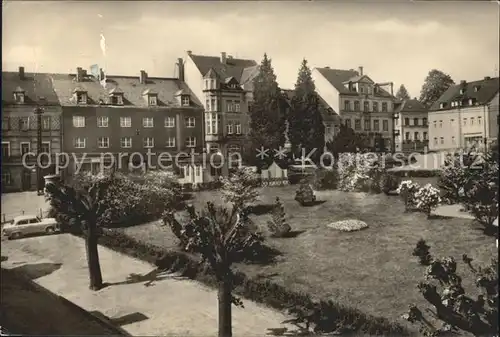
(95, 275)
(224, 297)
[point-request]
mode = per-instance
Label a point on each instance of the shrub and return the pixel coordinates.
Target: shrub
(278, 227)
(422, 252)
(389, 182)
(406, 191)
(240, 188)
(325, 179)
(426, 199)
(353, 172)
(305, 194)
(348, 225)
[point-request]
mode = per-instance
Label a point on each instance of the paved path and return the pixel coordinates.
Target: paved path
(452, 211)
(169, 306)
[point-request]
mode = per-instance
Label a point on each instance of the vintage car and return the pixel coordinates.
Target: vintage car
(29, 224)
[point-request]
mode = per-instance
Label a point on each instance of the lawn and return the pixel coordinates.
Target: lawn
(372, 269)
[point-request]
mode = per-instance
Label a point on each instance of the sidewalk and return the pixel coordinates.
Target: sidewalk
(166, 306)
(452, 211)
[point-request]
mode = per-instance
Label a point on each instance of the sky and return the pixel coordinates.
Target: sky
(398, 41)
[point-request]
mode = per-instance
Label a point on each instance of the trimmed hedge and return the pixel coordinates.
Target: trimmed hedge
(330, 316)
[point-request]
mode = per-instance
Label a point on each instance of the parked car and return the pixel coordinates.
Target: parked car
(29, 224)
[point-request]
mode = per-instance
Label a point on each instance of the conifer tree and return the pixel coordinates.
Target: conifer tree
(403, 93)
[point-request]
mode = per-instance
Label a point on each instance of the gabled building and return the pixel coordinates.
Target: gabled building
(465, 116)
(412, 126)
(125, 117)
(22, 93)
(224, 86)
(362, 104)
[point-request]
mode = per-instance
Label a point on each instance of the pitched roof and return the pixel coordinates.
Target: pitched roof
(487, 89)
(233, 67)
(34, 85)
(326, 112)
(133, 91)
(412, 105)
(337, 78)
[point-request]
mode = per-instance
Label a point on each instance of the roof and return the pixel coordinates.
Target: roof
(412, 105)
(337, 77)
(34, 85)
(327, 113)
(133, 91)
(240, 69)
(487, 89)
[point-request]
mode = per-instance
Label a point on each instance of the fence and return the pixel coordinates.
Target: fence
(8, 217)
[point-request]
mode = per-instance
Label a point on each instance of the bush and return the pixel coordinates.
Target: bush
(278, 227)
(406, 191)
(426, 199)
(422, 252)
(389, 182)
(325, 179)
(305, 194)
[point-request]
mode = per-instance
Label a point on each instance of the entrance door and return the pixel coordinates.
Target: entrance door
(26, 180)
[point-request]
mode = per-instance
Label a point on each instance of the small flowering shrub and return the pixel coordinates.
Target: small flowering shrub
(278, 227)
(427, 199)
(350, 225)
(407, 190)
(305, 194)
(353, 172)
(240, 188)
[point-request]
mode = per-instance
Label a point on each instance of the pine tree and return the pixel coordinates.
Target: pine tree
(305, 122)
(402, 93)
(267, 116)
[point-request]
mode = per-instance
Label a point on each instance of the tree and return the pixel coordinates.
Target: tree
(346, 141)
(83, 209)
(402, 93)
(240, 188)
(436, 83)
(218, 236)
(452, 306)
(305, 122)
(267, 112)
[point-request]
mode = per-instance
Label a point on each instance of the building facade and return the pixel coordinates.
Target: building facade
(362, 104)
(224, 86)
(129, 122)
(465, 116)
(412, 126)
(22, 93)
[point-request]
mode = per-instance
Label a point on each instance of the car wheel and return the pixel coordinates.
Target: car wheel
(15, 236)
(49, 230)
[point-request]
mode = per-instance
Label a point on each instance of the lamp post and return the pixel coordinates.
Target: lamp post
(38, 111)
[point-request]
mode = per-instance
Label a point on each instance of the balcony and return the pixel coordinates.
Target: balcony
(212, 137)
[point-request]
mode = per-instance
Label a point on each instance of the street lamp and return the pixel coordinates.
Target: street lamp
(38, 111)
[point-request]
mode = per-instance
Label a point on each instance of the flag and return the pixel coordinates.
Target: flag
(103, 45)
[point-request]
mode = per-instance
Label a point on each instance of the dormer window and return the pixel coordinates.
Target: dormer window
(442, 105)
(81, 97)
(462, 91)
(19, 95)
(116, 96)
(185, 100)
(152, 100)
(476, 88)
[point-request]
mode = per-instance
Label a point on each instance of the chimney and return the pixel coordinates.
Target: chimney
(101, 74)
(180, 67)
(392, 86)
(486, 78)
(462, 82)
(144, 77)
(327, 67)
(223, 57)
(189, 52)
(21, 73)
(360, 70)
(79, 74)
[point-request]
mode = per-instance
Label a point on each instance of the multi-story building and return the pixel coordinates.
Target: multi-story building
(465, 116)
(362, 104)
(412, 126)
(224, 85)
(22, 93)
(128, 117)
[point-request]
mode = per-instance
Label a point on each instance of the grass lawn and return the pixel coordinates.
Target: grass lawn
(372, 269)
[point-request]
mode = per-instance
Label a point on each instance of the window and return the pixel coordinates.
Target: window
(479, 120)
(229, 105)
(190, 141)
(81, 98)
(367, 125)
(376, 125)
(103, 142)
(375, 106)
(440, 124)
(357, 124)
(435, 140)
(45, 122)
(45, 147)
(356, 105)
(416, 136)
(152, 100)
(169, 122)
(117, 100)
(24, 123)
(5, 123)
(80, 143)
(424, 121)
(148, 142)
(5, 149)
(233, 148)
(442, 140)
(361, 89)
(102, 122)
(147, 122)
(435, 124)
(19, 97)
(465, 121)
(229, 129)
(213, 107)
(348, 122)
(425, 135)
(126, 142)
(25, 148)
(407, 121)
(366, 106)
(472, 121)
(384, 107)
(6, 177)
(78, 121)
(238, 128)
(415, 121)
(407, 136)
(453, 140)
(385, 125)
(185, 100)
(236, 106)
(171, 142)
(347, 105)
(190, 122)
(198, 171)
(125, 122)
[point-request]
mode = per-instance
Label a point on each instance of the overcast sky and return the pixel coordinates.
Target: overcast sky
(397, 42)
